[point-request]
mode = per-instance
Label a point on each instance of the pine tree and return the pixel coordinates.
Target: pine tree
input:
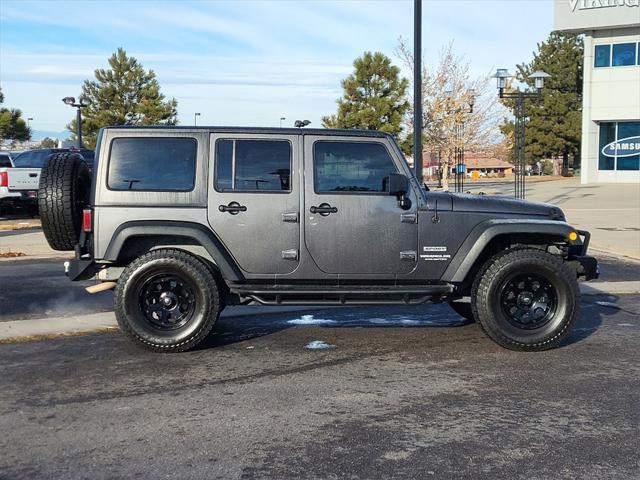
(374, 96)
(124, 94)
(554, 123)
(12, 126)
(49, 143)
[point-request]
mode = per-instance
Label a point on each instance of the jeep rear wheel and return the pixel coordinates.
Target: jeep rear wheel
(64, 188)
(167, 300)
(526, 299)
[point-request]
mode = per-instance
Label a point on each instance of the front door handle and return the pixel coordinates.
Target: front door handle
(233, 208)
(323, 209)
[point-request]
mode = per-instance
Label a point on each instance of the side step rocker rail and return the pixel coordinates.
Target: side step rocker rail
(297, 295)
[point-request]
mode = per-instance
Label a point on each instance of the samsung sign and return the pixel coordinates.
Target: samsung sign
(625, 147)
(584, 15)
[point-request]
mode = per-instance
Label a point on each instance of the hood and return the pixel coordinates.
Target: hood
(462, 202)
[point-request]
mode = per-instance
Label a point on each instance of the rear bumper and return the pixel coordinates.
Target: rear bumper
(18, 198)
(79, 269)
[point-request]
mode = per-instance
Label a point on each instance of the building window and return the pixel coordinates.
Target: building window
(616, 55)
(253, 166)
(153, 164)
(619, 146)
(624, 54)
(602, 56)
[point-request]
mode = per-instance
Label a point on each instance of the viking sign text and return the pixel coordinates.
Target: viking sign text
(591, 4)
(625, 147)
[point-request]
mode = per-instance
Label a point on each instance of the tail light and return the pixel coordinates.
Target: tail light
(87, 220)
(4, 179)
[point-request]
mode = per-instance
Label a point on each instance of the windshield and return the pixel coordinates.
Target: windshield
(32, 159)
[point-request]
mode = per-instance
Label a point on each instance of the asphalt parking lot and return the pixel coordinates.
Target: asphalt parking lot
(406, 392)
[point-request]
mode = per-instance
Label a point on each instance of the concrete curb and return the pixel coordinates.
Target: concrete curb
(25, 330)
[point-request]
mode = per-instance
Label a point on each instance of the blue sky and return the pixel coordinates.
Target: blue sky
(243, 62)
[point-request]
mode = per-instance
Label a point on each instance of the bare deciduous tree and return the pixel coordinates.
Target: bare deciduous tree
(448, 89)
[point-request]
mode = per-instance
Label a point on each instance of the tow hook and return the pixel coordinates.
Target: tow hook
(101, 287)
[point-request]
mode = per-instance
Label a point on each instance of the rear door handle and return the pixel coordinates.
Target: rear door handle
(323, 209)
(233, 208)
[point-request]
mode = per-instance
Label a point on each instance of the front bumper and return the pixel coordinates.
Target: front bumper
(586, 265)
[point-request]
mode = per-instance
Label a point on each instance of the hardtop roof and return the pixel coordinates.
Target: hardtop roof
(264, 130)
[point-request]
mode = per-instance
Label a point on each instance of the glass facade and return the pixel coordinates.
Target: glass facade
(602, 56)
(616, 55)
(619, 146)
(624, 54)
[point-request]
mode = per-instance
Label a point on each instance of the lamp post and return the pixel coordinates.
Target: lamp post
(282, 119)
(29, 120)
(459, 129)
(502, 75)
(71, 101)
(195, 119)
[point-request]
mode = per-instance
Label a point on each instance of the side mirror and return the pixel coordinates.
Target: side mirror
(397, 184)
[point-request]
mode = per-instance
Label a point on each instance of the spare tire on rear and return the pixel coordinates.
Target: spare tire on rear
(65, 183)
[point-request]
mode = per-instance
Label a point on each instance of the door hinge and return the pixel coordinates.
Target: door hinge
(409, 218)
(409, 255)
(290, 254)
(290, 217)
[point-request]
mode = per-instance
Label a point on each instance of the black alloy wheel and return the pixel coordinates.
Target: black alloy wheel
(528, 301)
(167, 301)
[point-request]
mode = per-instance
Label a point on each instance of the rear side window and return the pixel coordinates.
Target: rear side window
(152, 164)
(32, 159)
(5, 161)
(351, 167)
(253, 165)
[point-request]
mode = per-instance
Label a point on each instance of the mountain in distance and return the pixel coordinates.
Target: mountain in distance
(38, 135)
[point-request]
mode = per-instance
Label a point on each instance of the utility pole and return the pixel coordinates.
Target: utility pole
(417, 89)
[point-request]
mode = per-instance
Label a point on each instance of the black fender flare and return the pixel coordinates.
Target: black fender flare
(198, 232)
(483, 233)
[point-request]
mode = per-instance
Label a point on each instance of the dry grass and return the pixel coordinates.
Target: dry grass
(12, 254)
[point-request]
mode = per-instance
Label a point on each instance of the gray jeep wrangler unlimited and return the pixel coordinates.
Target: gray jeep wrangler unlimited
(183, 221)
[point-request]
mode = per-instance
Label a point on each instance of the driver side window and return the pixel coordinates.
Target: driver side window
(353, 167)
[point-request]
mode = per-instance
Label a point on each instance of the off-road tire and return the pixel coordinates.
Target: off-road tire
(463, 309)
(129, 308)
(486, 298)
(65, 183)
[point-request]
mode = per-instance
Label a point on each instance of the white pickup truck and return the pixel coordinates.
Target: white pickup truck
(19, 184)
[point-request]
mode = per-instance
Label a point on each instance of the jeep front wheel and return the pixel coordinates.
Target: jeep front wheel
(167, 300)
(526, 299)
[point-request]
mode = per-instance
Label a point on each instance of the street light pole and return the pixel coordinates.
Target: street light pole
(417, 89)
(282, 119)
(520, 124)
(28, 121)
(71, 101)
(195, 119)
